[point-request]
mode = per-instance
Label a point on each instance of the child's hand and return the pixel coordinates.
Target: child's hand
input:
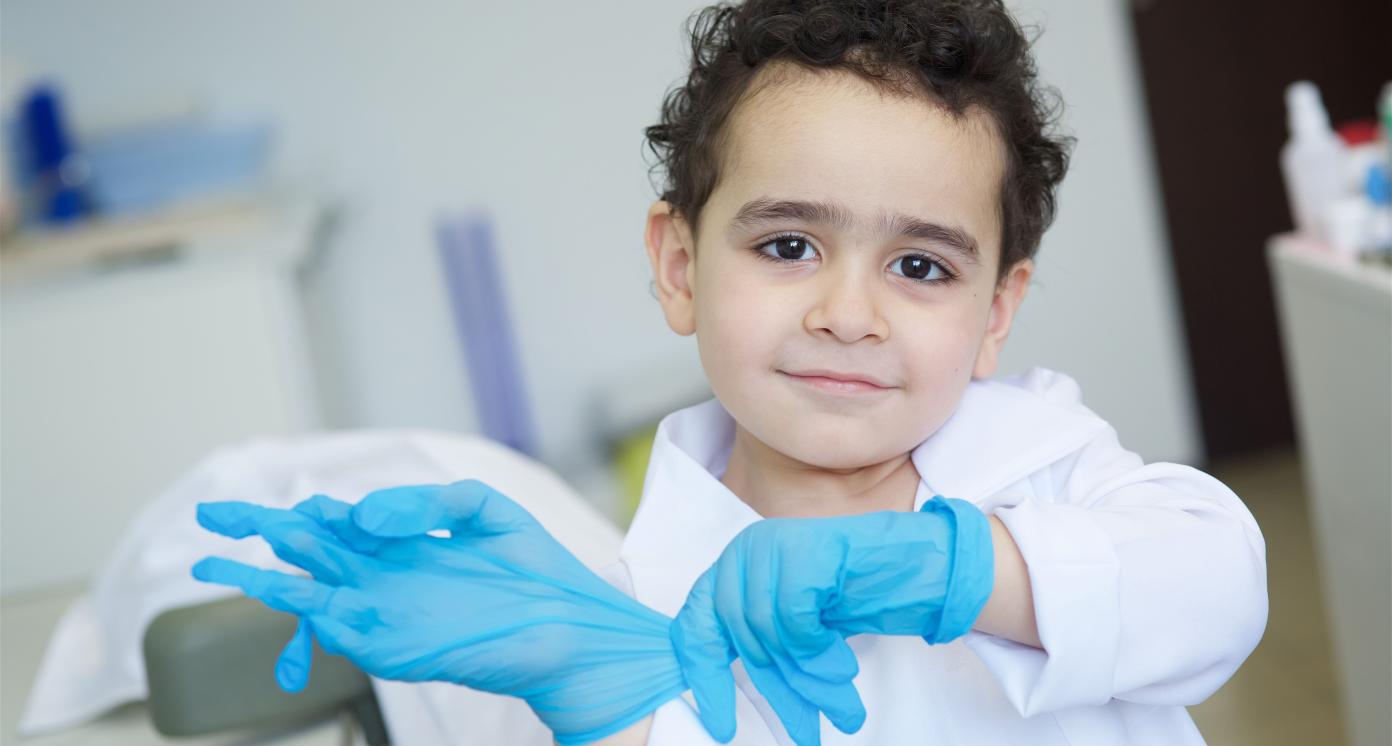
(499, 605)
(786, 592)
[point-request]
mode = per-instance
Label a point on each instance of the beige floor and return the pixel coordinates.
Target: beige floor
(1286, 692)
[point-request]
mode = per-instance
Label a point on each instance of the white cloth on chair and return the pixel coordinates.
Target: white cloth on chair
(94, 660)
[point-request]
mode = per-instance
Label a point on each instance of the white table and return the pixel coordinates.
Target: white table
(1336, 327)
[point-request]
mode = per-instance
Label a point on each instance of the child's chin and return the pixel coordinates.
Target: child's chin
(842, 448)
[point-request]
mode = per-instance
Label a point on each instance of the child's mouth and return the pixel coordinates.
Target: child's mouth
(836, 383)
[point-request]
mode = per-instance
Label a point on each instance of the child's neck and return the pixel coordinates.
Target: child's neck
(777, 486)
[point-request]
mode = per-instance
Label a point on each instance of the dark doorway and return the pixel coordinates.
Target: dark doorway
(1215, 75)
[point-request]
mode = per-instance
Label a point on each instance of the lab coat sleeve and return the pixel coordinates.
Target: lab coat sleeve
(1149, 584)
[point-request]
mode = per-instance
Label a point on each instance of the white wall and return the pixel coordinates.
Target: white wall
(1104, 307)
(536, 111)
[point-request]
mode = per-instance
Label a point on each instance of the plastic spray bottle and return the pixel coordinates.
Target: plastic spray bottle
(1312, 160)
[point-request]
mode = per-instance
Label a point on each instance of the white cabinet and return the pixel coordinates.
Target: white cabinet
(1336, 328)
(113, 381)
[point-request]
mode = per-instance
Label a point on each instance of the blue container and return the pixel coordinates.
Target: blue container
(55, 180)
(145, 169)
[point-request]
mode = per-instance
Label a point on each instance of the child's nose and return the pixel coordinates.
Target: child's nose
(847, 309)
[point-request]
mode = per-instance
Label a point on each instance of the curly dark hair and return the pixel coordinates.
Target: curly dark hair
(960, 54)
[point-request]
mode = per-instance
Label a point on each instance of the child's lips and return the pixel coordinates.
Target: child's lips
(836, 383)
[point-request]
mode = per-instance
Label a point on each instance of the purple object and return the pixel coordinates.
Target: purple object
(485, 330)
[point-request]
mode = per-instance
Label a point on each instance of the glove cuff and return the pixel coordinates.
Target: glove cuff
(972, 573)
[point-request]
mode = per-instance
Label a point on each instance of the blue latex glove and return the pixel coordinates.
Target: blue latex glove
(786, 592)
(498, 605)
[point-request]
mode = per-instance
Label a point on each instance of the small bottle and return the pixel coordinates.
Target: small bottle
(1385, 114)
(1378, 191)
(1312, 160)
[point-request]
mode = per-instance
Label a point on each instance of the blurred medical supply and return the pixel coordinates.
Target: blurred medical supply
(62, 174)
(1337, 183)
(1334, 315)
(55, 174)
(1385, 114)
(150, 167)
(484, 327)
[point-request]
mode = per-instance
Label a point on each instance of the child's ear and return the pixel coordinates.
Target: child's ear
(672, 253)
(1010, 293)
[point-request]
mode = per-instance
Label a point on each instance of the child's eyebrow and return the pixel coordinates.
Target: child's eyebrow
(762, 210)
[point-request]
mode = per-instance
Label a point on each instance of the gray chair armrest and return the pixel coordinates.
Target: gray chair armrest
(211, 667)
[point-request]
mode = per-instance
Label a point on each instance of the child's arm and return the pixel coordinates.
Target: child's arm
(1119, 580)
(1147, 584)
(1009, 612)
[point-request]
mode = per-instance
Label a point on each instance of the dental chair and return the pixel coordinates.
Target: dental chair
(236, 640)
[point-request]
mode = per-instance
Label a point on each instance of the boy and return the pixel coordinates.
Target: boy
(855, 191)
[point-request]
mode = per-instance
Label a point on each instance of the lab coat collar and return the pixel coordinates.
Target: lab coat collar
(998, 434)
(686, 516)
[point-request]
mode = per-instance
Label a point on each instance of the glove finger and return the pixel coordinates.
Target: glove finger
(799, 717)
(698, 639)
(293, 537)
(292, 667)
(341, 639)
(816, 648)
(759, 595)
(783, 602)
(818, 665)
(732, 610)
(469, 506)
(838, 699)
(232, 518)
(836, 664)
(297, 595)
(308, 545)
(336, 517)
(784, 608)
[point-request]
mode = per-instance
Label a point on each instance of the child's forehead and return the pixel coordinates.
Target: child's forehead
(833, 136)
(785, 103)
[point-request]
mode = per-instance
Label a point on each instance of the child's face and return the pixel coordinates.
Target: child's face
(915, 310)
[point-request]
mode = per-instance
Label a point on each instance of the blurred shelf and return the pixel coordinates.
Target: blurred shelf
(37, 253)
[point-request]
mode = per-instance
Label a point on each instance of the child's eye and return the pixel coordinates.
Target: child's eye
(921, 268)
(789, 248)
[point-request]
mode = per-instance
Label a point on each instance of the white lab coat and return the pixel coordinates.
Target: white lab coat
(1149, 580)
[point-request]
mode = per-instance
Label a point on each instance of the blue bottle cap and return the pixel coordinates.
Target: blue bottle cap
(1377, 185)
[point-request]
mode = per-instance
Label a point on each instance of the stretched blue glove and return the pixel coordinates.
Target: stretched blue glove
(786, 592)
(497, 605)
